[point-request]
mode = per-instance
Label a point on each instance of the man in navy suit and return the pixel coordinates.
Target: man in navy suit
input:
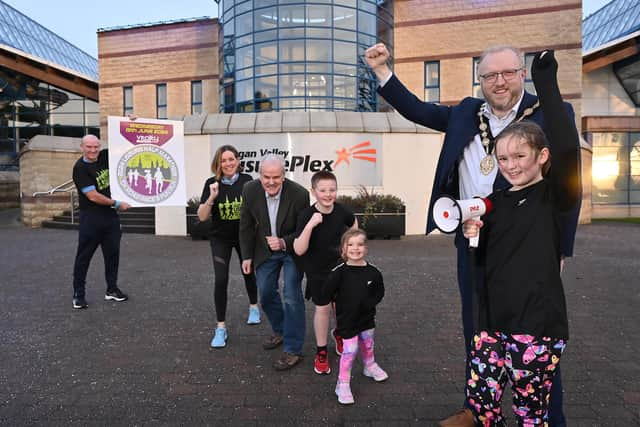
(467, 166)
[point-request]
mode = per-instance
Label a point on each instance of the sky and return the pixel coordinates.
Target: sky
(77, 20)
(590, 6)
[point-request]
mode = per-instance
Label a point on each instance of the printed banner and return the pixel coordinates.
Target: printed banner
(355, 159)
(146, 161)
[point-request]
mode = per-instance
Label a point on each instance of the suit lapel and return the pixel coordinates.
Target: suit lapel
(527, 101)
(263, 211)
(464, 127)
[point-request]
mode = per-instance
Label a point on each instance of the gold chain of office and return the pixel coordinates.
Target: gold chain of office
(488, 163)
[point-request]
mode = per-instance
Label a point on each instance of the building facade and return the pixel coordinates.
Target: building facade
(271, 58)
(611, 114)
(47, 85)
(161, 70)
(437, 44)
(307, 55)
(300, 55)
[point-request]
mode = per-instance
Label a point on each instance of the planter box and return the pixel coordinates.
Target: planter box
(382, 225)
(198, 230)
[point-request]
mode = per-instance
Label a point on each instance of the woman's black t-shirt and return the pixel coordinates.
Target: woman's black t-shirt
(225, 212)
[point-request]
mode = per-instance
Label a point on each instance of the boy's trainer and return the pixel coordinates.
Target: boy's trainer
(337, 339)
(115, 295)
(321, 366)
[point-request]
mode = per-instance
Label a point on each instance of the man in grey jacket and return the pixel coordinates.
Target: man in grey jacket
(270, 208)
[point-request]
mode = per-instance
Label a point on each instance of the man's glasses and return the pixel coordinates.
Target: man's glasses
(506, 74)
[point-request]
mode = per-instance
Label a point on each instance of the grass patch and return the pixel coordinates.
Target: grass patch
(626, 220)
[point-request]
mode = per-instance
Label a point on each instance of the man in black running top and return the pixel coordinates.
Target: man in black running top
(99, 221)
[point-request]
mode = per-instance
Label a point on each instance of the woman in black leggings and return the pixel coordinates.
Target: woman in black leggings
(221, 200)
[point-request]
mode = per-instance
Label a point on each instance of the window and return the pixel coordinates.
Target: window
(476, 90)
(432, 81)
(292, 54)
(627, 71)
(528, 83)
(161, 101)
(196, 97)
(615, 168)
(127, 100)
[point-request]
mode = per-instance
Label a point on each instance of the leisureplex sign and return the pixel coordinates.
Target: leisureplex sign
(356, 159)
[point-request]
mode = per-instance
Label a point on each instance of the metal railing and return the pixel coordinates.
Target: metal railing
(65, 187)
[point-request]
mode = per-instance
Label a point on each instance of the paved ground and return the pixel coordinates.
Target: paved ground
(148, 361)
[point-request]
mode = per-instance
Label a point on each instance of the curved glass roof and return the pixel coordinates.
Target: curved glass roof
(24, 34)
(613, 21)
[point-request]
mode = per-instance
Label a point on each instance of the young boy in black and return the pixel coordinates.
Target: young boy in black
(319, 229)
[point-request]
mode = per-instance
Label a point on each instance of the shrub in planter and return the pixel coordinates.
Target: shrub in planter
(380, 215)
(198, 230)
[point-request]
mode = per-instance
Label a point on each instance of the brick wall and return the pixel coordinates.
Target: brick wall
(46, 162)
(141, 57)
(454, 32)
(9, 190)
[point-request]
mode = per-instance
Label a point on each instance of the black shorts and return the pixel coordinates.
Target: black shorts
(313, 291)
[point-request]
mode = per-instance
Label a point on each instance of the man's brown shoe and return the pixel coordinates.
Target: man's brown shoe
(462, 418)
(287, 361)
(272, 342)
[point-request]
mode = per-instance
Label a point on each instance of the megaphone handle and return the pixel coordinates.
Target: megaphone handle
(473, 241)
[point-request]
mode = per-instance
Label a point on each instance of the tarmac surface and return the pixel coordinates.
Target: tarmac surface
(147, 361)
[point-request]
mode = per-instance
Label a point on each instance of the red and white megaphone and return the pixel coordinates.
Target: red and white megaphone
(449, 213)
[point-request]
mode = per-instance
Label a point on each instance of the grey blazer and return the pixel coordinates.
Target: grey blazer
(254, 219)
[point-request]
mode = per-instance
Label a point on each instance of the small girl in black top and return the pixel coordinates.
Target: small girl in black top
(221, 200)
(357, 287)
(522, 326)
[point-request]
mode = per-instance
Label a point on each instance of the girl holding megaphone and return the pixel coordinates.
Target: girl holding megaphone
(522, 326)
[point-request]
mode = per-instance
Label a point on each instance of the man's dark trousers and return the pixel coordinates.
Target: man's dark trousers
(556, 416)
(97, 228)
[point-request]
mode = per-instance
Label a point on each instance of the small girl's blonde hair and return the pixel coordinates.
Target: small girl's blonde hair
(352, 232)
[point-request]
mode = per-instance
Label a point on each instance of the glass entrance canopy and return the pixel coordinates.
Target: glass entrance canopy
(300, 55)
